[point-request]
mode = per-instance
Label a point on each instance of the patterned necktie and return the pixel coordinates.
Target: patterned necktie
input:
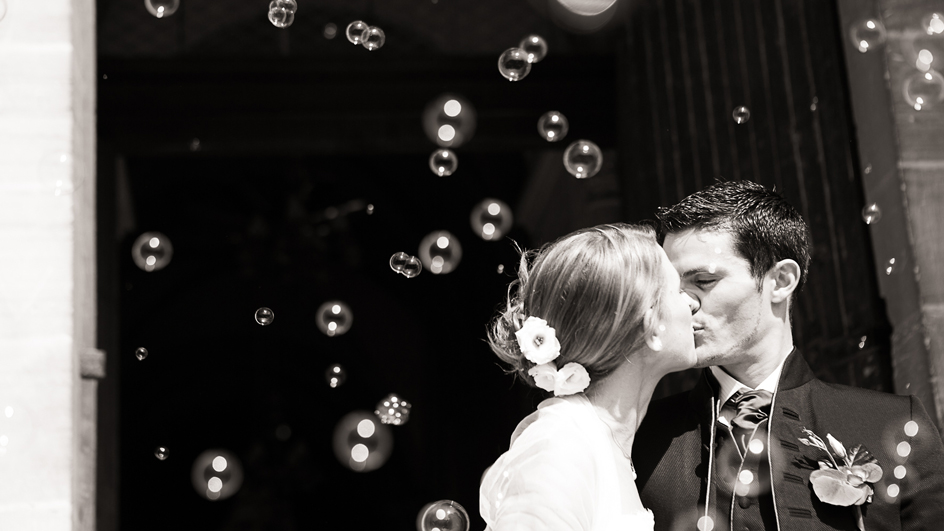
(750, 409)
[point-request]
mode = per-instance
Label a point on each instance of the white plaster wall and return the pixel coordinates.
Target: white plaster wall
(38, 184)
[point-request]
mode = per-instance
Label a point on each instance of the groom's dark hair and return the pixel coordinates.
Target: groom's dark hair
(766, 228)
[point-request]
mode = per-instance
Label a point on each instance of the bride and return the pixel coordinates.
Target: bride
(597, 318)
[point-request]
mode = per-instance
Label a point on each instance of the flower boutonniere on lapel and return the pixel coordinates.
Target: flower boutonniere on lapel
(847, 477)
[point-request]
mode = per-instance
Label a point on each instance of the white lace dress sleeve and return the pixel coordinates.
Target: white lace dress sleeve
(558, 474)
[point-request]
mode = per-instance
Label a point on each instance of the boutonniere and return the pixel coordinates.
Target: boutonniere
(847, 481)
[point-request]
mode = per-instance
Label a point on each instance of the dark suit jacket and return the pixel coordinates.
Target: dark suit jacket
(671, 456)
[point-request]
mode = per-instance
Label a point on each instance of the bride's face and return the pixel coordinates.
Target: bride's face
(677, 338)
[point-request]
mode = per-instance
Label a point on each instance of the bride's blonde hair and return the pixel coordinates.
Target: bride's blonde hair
(593, 287)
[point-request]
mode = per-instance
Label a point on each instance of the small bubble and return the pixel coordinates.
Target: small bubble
(152, 251)
(900, 472)
(746, 477)
(282, 12)
(535, 47)
(513, 64)
(161, 8)
(705, 523)
(195, 144)
(334, 318)
(871, 213)
(553, 126)
(370, 210)
(335, 375)
(443, 515)
(141, 353)
(583, 159)
(412, 268)
(373, 38)
(491, 219)
(890, 266)
(741, 114)
(756, 446)
(862, 341)
(893, 491)
(330, 30)
(161, 453)
(354, 31)
(443, 162)
(867, 34)
(265, 316)
(398, 260)
(868, 169)
(500, 268)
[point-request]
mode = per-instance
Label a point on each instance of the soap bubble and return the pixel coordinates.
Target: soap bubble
(583, 159)
(440, 252)
(933, 24)
(354, 31)
(444, 515)
(152, 251)
(335, 375)
(449, 120)
(216, 474)
(491, 219)
(535, 47)
(393, 410)
(141, 353)
(924, 90)
(373, 38)
(443, 162)
(361, 443)
(867, 34)
(265, 316)
(553, 126)
(161, 453)
(871, 214)
(741, 114)
(282, 13)
(398, 260)
(334, 318)
(911, 428)
(162, 8)
(890, 266)
(513, 64)
(412, 268)
(330, 30)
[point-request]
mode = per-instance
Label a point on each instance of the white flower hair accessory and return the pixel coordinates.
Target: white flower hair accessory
(538, 342)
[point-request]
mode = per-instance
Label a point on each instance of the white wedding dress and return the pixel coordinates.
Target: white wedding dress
(563, 471)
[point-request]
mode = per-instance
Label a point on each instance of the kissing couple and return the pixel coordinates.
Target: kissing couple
(599, 316)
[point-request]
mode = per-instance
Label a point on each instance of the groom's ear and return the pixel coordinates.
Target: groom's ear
(785, 275)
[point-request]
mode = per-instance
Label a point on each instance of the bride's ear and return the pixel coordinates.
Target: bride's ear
(652, 333)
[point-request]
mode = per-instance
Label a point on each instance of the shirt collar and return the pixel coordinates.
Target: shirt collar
(728, 385)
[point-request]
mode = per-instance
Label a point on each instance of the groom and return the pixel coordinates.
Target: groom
(760, 443)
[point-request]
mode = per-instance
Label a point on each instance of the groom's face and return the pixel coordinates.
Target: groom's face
(729, 322)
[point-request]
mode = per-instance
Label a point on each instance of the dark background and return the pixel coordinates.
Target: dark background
(291, 124)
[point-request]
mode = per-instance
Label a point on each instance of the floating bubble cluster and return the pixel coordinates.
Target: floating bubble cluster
(513, 64)
(393, 410)
(265, 316)
(924, 90)
(361, 443)
(871, 213)
(443, 162)
(406, 265)
(282, 12)
(161, 8)
(161, 453)
(334, 318)
(553, 126)
(741, 114)
(867, 34)
(216, 474)
(491, 219)
(440, 252)
(933, 24)
(449, 120)
(583, 159)
(535, 47)
(152, 251)
(443, 515)
(141, 353)
(335, 375)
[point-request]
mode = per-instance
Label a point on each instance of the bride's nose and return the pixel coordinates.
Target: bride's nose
(693, 302)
